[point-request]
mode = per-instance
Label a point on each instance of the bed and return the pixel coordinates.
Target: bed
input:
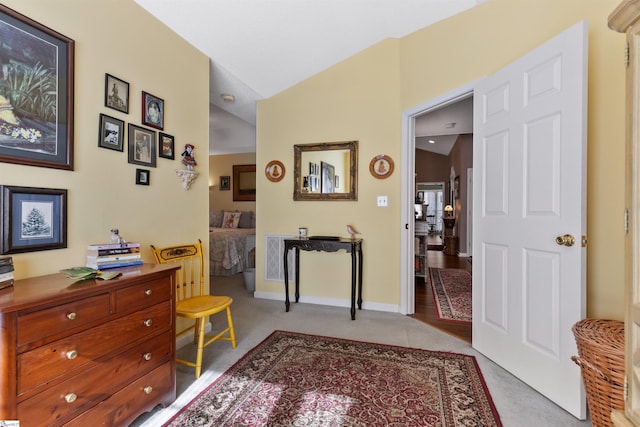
(232, 235)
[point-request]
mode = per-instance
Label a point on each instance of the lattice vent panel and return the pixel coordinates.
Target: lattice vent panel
(273, 253)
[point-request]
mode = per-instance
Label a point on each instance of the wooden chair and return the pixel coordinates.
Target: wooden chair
(191, 300)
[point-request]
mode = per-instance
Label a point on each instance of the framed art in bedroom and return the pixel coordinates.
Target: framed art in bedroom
(36, 107)
(33, 219)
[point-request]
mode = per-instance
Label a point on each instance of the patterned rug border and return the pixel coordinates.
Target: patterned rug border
(440, 296)
(276, 333)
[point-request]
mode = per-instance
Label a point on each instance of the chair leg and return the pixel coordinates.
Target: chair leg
(232, 333)
(196, 330)
(200, 334)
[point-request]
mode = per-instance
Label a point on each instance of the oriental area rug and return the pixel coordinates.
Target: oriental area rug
(293, 379)
(452, 293)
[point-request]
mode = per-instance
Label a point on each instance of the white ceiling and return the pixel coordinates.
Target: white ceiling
(259, 48)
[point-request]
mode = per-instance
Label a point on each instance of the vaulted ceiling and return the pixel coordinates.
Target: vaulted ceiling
(259, 48)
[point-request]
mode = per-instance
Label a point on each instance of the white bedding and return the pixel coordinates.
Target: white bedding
(229, 248)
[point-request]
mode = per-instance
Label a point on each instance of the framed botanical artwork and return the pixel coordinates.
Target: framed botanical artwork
(274, 171)
(381, 166)
(143, 176)
(225, 183)
(116, 93)
(37, 107)
(111, 133)
(142, 146)
(166, 146)
(152, 111)
(33, 219)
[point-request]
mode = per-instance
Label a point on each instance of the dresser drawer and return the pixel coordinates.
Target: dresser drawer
(45, 363)
(50, 321)
(79, 393)
(127, 404)
(143, 295)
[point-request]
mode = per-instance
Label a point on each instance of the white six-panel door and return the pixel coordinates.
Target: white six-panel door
(530, 188)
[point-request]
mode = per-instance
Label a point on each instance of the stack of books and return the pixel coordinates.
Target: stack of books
(113, 255)
(6, 272)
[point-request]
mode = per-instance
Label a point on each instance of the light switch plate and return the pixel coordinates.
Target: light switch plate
(383, 201)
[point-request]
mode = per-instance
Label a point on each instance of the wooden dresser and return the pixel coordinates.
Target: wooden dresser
(87, 353)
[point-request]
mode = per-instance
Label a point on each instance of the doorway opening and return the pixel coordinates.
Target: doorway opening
(419, 298)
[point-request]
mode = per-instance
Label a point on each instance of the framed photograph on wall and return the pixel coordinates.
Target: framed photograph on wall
(116, 93)
(166, 146)
(111, 133)
(152, 111)
(37, 108)
(225, 183)
(33, 219)
(143, 176)
(142, 146)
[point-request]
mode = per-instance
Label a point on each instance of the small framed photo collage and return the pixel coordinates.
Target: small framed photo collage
(143, 143)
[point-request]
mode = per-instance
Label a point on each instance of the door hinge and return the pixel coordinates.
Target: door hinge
(625, 390)
(626, 221)
(627, 55)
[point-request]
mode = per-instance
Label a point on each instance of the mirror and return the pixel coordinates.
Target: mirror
(326, 171)
(244, 183)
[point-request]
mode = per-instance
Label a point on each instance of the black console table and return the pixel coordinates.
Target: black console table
(353, 246)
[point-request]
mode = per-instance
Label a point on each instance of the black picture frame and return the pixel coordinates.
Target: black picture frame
(111, 133)
(142, 146)
(225, 183)
(33, 219)
(39, 129)
(152, 111)
(143, 176)
(116, 93)
(166, 146)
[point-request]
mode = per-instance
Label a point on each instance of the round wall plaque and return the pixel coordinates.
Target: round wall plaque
(381, 166)
(274, 171)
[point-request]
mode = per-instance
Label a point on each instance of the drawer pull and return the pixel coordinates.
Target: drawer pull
(148, 389)
(148, 292)
(72, 354)
(71, 397)
(148, 322)
(71, 316)
(147, 356)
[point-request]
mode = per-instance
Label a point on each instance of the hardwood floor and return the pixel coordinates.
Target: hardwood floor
(425, 309)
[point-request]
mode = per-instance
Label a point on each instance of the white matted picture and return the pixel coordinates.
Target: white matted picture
(111, 134)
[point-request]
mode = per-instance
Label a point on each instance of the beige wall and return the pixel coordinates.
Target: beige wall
(363, 98)
(120, 38)
(222, 165)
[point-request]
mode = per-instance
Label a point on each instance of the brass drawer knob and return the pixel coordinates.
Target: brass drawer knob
(148, 292)
(71, 316)
(71, 397)
(72, 354)
(148, 389)
(148, 322)
(147, 356)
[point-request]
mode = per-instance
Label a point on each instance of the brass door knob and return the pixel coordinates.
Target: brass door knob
(566, 240)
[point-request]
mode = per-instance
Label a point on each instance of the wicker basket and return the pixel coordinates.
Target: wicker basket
(601, 360)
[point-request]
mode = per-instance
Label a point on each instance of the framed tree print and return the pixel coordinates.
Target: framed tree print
(33, 219)
(36, 109)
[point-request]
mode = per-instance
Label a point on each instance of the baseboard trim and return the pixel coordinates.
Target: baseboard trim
(333, 302)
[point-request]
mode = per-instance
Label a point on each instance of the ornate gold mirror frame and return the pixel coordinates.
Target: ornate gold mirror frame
(326, 171)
